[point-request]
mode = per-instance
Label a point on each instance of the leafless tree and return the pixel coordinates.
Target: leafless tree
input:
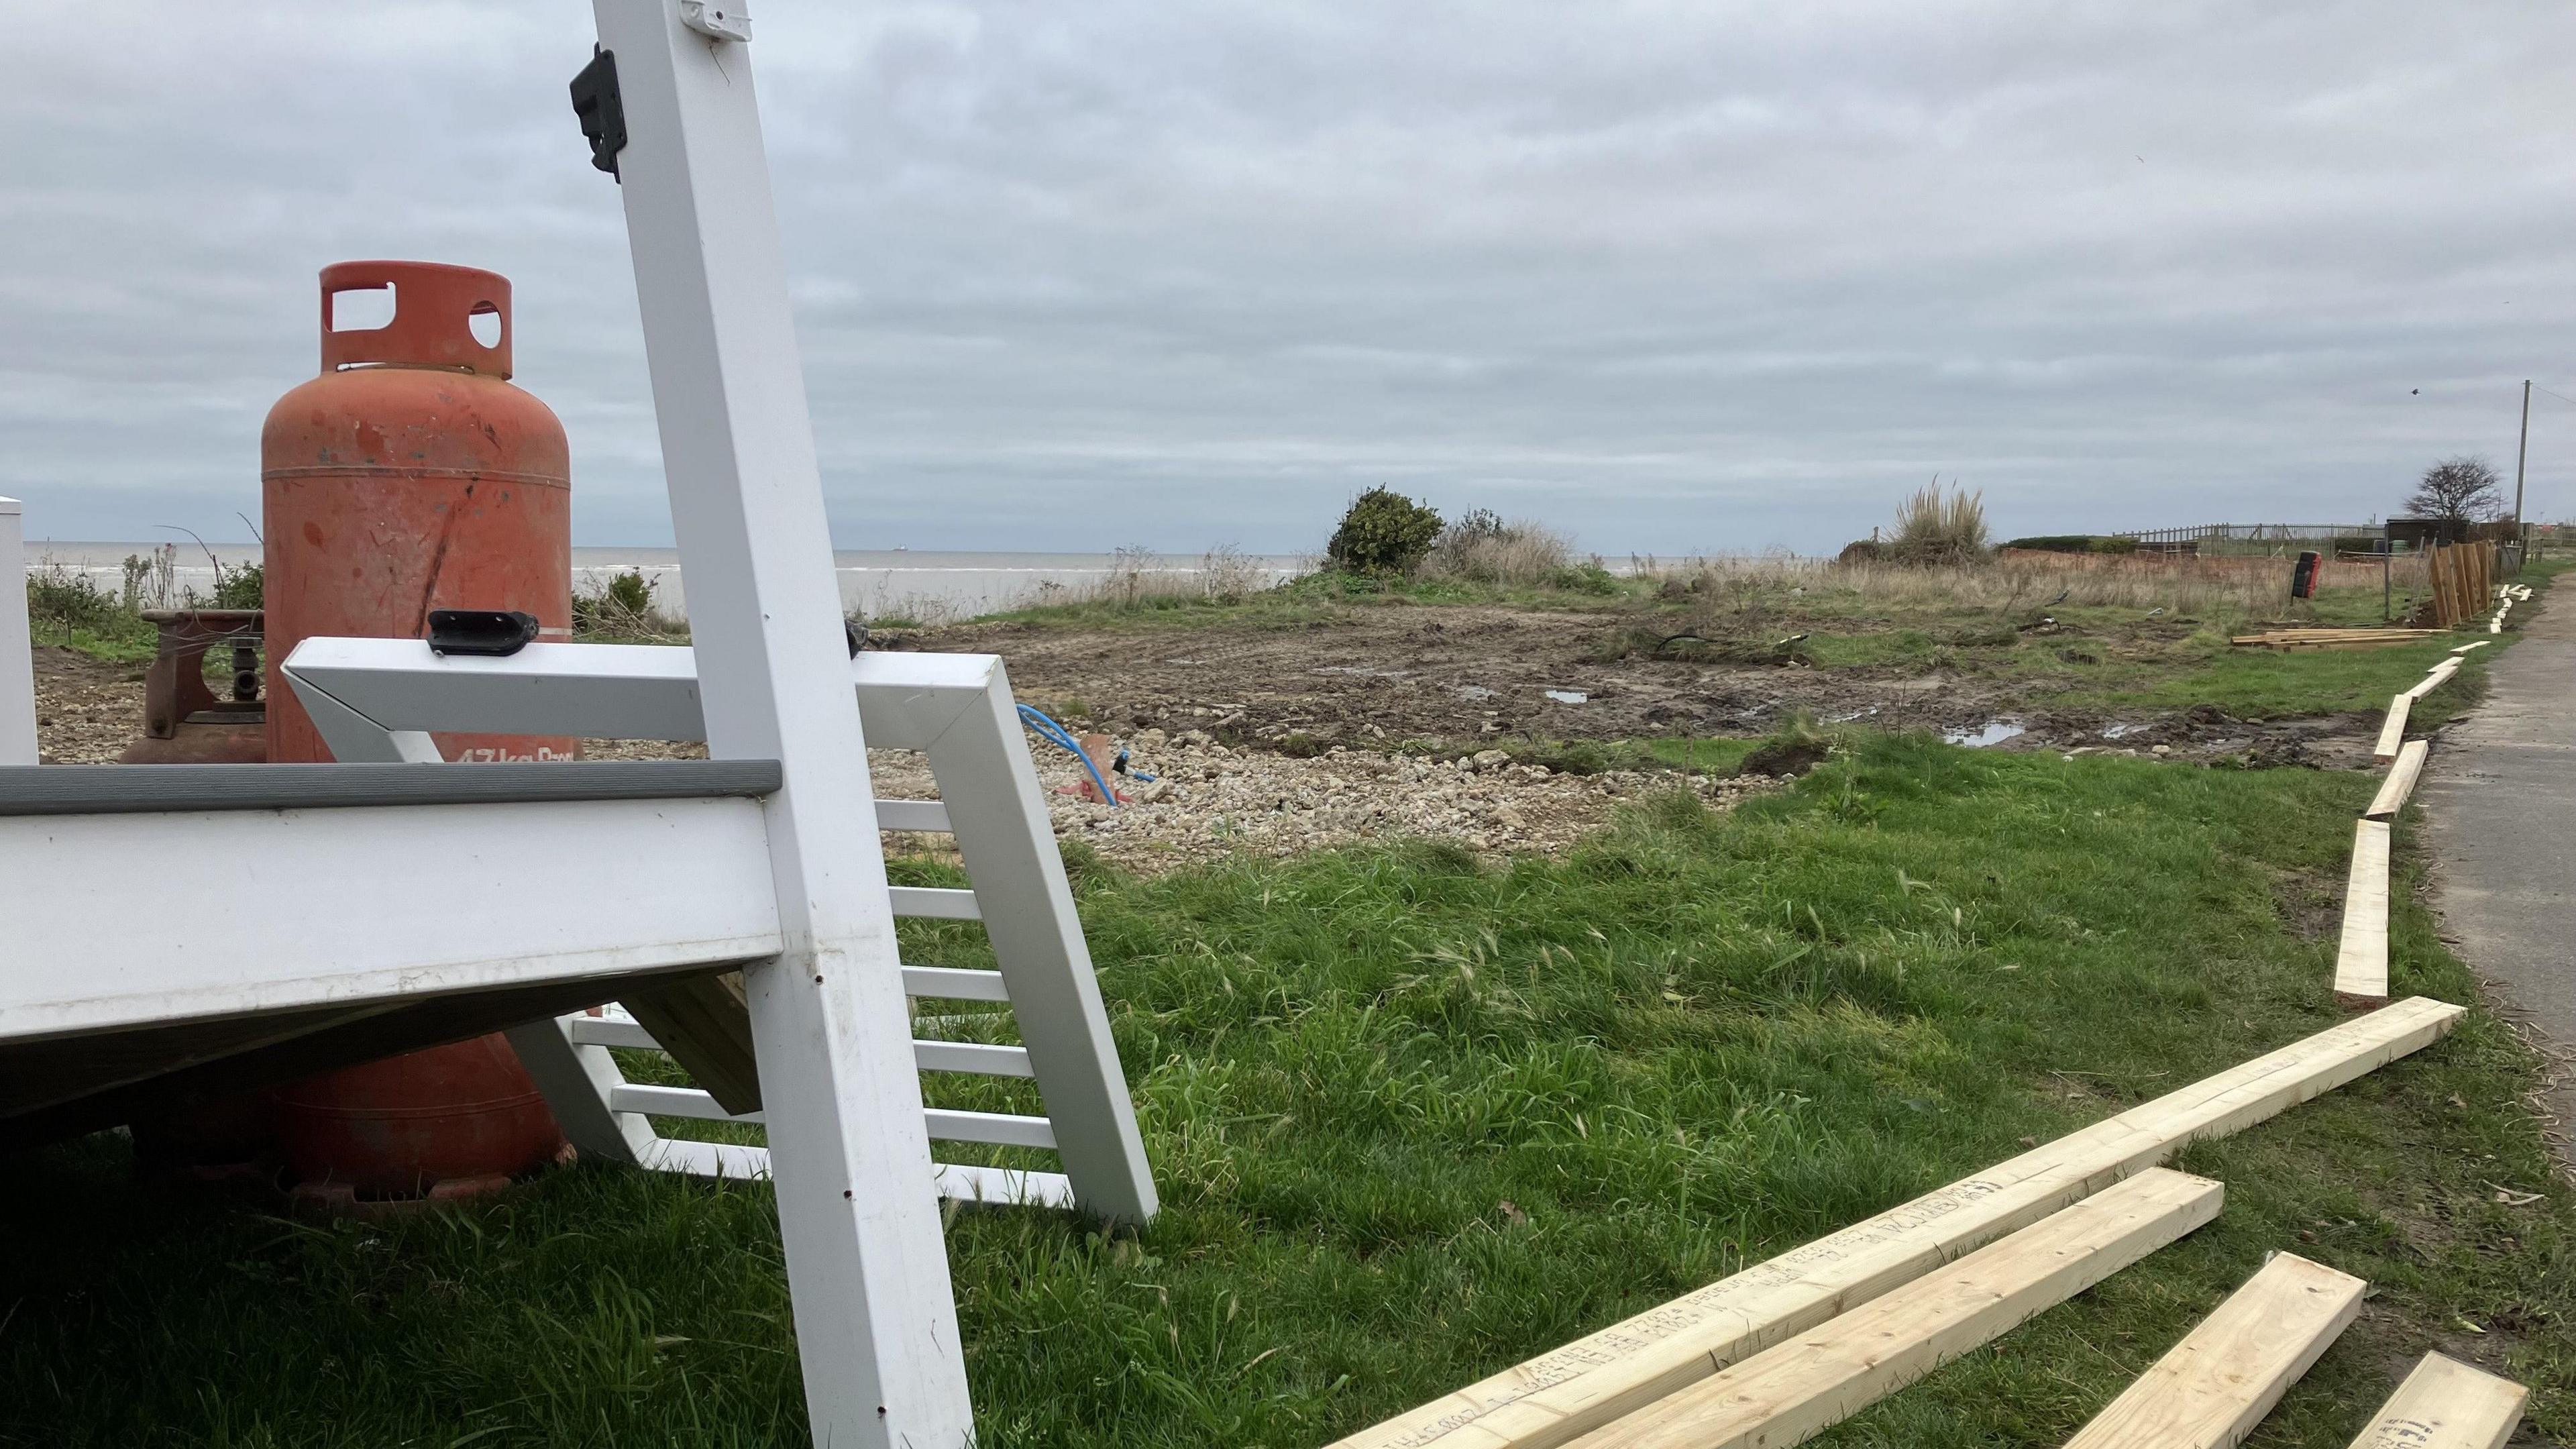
(2467, 489)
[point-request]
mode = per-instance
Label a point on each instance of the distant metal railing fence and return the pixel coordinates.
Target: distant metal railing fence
(2251, 532)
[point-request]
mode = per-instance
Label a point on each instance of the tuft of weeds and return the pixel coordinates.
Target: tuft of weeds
(622, 608)
(71, 610)
(1796, 748)
(1565, 757)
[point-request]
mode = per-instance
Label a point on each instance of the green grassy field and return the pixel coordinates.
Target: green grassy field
(1416, 1119)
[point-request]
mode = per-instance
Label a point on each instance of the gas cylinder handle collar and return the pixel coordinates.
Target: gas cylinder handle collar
(716, 19)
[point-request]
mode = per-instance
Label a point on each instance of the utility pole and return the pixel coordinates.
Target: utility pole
(2521, 451)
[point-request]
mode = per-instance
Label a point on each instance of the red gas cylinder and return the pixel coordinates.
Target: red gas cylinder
(449, 1122)
(412, 476)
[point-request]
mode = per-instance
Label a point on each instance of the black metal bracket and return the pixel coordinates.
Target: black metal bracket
(602, 111)
(498, 632)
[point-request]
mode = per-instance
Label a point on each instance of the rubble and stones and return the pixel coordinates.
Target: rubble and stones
(1209, 800)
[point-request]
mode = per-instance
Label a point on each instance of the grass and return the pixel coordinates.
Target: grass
(1416, 1120)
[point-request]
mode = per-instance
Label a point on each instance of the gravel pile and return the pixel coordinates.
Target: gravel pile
(1208, 800)
(87, 712)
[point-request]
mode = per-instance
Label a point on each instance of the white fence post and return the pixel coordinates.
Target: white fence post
(876, 1325)
(17, 659)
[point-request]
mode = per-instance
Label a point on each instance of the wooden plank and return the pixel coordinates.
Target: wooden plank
(1797, 1388)
(2336, 640)
(705, 1024)
(2465, 648)
(2361, 961)
(2445, 1404)
(2439, 675)
(2212, 1388)
(2274, 635)
(1552, 1399)
(2392, 731)
(2289, 636)
(2400, 782)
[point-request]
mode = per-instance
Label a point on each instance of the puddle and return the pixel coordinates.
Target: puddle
(1361, 671)
(1474, 691)
(1568, 696)
(1849, 715)
(2121, 731)
(1992, 732)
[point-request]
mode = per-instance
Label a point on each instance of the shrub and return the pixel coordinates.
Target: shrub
(1587, 577)
(2074, 543)
(67, 601)
(245, 587)
(620, 604)
(1521, 554)
(1479, 525)
(1934, 526)
(1863, 550)
(70, 608)
(1227, 576)
(1384, 533)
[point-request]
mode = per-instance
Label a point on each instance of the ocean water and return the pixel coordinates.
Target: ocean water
(924, 585)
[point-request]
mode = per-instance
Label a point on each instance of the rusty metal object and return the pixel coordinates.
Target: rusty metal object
(183, 722)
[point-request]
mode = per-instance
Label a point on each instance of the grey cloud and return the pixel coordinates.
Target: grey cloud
(1676, 276)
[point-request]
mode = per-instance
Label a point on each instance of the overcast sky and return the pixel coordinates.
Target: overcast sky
(1672, 276)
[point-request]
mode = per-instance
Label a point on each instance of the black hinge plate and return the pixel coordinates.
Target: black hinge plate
(602, 111)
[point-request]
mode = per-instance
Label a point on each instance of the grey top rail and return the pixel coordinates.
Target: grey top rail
(158, 789)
